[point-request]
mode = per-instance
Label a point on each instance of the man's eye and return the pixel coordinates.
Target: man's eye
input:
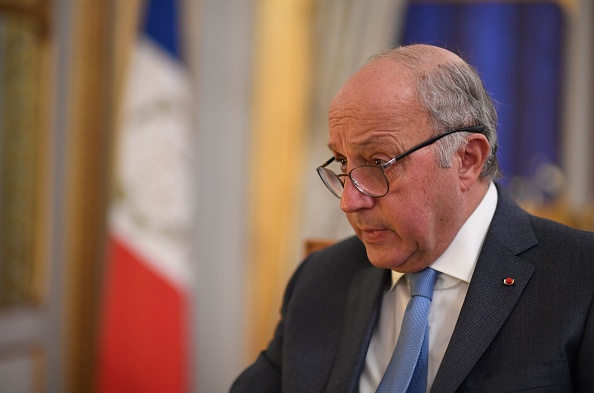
(343, 163)
(377, 161)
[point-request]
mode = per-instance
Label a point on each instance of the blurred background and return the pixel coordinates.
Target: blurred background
(157, 165)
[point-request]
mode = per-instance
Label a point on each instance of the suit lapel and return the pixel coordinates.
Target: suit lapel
(362, 311)
(488, 301)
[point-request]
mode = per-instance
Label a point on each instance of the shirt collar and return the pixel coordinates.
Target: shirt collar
(459, 259)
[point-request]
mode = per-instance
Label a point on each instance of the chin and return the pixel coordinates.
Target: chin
(384, 259)
(394, 257)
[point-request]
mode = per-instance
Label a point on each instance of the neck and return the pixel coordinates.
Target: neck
(474, 195)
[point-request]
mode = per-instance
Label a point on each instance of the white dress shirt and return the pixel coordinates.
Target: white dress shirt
(456, 265)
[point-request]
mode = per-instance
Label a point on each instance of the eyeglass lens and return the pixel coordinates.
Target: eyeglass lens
(370, 180)
(333, 182)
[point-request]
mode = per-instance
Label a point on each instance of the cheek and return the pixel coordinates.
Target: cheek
(438, 203)
(415, 208)
(409, 217)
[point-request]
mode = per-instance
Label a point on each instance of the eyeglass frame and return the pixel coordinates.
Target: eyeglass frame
(472, 130)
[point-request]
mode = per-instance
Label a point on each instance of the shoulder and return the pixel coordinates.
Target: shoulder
(512, 223)
(329, 272)
(540, 241)
(342, 258)
(548, 230)
(564, 245)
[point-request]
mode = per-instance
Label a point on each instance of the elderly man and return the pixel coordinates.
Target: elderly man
(448, 286)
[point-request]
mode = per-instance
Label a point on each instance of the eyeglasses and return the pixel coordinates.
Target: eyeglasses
(371, 180)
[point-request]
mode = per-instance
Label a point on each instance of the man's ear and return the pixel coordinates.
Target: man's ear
(472, 158)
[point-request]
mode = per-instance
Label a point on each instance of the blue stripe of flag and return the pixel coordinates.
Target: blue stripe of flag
(161, 24)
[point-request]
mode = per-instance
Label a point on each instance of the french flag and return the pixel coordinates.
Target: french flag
(144, 337)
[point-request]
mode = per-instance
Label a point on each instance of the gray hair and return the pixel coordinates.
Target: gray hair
(454, 96)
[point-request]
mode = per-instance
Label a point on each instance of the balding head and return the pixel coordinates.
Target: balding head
(419, 57)
(451, 92)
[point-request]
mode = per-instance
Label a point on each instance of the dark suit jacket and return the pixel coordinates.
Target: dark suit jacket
(534, 336)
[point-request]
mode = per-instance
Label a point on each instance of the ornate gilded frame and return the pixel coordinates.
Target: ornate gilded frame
(24, 49)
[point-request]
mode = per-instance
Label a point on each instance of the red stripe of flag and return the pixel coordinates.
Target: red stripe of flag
(144, 329)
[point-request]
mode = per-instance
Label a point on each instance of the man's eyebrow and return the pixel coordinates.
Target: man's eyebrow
(370, 141)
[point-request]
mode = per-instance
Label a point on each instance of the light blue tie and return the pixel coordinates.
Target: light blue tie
(407, 371)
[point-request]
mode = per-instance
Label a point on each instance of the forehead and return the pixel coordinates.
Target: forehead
(377, 105)
(381, 83)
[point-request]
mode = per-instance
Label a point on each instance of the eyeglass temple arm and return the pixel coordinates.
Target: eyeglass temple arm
(324, 165)
(473, 129)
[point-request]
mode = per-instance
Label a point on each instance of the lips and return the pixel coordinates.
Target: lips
(369, 229)
(373, 229)
(373, 235)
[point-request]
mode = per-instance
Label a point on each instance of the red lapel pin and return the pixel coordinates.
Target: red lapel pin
(508, 281)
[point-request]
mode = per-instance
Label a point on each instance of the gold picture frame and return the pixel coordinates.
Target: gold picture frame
(23, 142)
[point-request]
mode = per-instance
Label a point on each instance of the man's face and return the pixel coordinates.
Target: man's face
(372, 119)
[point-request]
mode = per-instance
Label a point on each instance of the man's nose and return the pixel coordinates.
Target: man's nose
(353, 199)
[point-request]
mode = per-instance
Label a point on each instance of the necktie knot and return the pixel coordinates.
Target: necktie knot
(421, 283)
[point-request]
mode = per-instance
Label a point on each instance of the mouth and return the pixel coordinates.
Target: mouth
(374, 235)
